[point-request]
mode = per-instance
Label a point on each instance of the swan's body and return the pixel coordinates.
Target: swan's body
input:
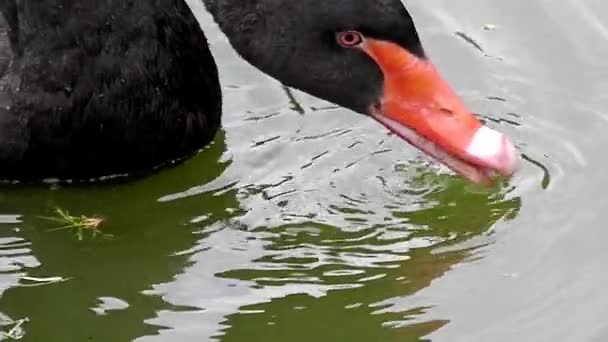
(98, 90)
(95, 88)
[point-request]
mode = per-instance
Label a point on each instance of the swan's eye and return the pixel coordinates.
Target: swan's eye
(349, 39)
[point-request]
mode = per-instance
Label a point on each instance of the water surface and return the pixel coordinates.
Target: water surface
(306, 222)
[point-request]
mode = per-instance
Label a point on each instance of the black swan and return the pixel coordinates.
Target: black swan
(90, 88)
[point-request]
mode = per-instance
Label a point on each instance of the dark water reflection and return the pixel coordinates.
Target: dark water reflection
(306, 222)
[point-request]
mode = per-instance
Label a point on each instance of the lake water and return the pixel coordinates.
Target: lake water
(306, 222)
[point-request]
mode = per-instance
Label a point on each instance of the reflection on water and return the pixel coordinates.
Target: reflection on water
(207, 263)
(304, 221)
(348, 272)
(103, 295)
(276, 279)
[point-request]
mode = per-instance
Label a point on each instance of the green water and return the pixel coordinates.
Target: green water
(305, 222)
(153, 242)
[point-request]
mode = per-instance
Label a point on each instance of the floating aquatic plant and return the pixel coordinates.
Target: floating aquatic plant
(16, 332)
(79, 224)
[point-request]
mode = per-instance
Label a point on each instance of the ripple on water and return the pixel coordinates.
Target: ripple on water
(15, 258)
(372, 226)
(384, 223)
(15, 252)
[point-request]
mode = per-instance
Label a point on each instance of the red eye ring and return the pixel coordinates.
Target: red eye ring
(349, 39)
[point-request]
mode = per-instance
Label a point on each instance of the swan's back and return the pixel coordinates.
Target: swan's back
(105, 89)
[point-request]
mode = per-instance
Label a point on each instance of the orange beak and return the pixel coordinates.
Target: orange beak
(419, 106)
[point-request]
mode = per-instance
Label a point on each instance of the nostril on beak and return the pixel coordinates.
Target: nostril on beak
(447, 111)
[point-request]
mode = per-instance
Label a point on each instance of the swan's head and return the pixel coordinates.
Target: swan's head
(367, 56)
